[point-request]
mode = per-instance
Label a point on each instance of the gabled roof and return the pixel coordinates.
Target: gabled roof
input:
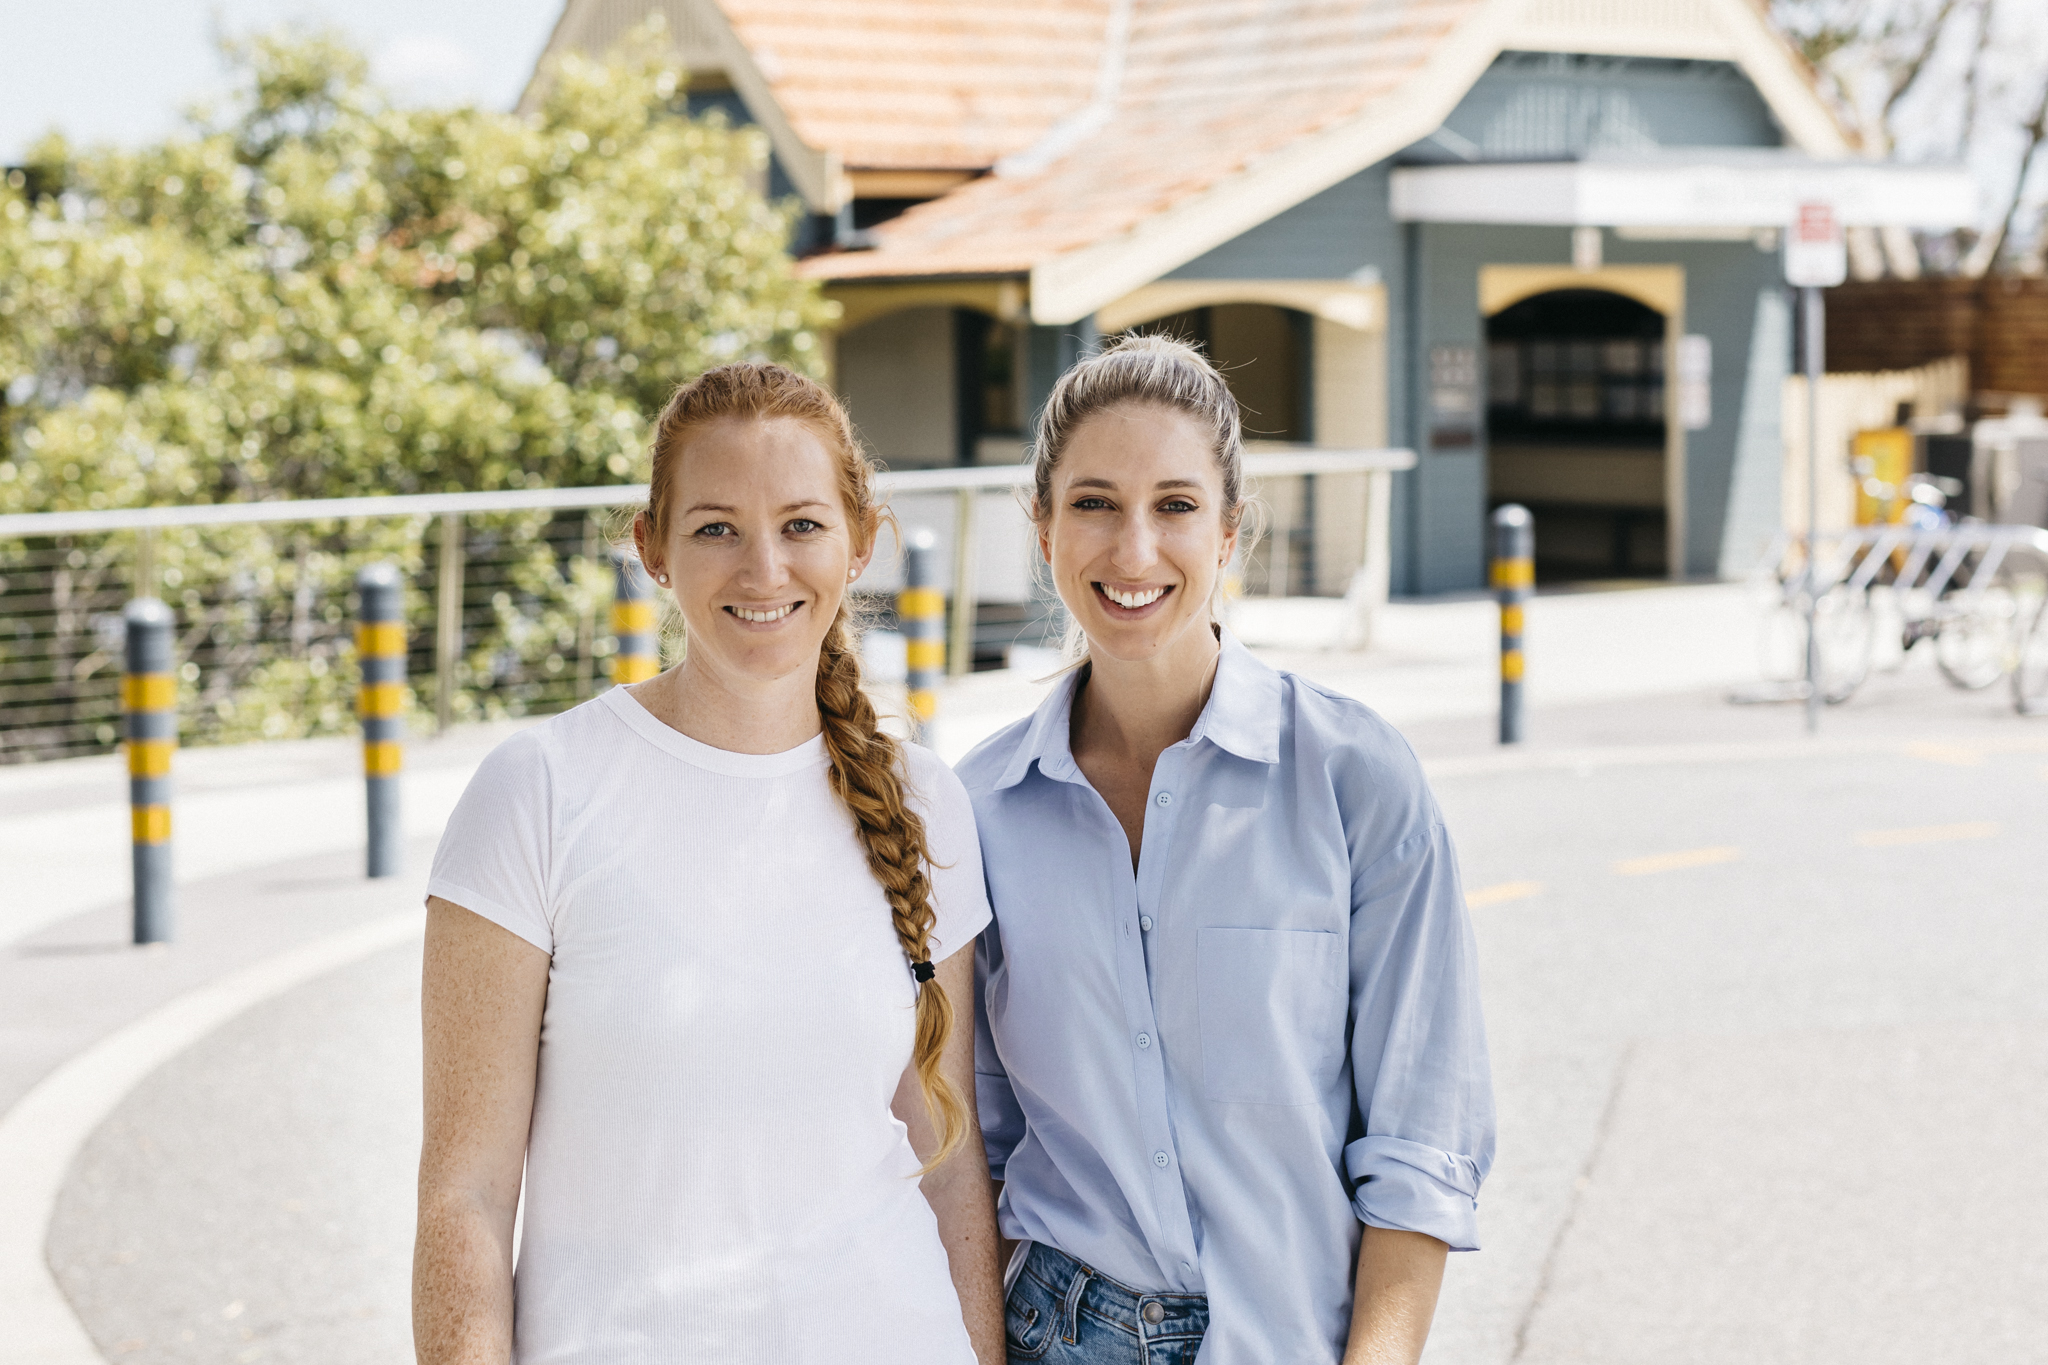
(1229, 112)
(891, 85)
(923, 84)
(1127, 137)
(1209, 89)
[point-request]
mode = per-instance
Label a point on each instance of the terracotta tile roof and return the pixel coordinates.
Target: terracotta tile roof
(923, 84)
(1209, 87)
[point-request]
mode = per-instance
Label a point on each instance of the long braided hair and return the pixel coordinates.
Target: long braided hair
(867, 765)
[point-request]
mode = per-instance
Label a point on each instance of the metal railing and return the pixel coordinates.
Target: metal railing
(516, 584)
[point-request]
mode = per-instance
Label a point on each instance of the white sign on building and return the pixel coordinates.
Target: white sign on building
(1816, 257)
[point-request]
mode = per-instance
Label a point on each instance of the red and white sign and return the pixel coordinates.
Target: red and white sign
(1815, 255)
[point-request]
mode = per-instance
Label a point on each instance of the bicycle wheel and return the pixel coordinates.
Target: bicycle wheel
(2030, 667)
(1846, 631)
(1975, 647)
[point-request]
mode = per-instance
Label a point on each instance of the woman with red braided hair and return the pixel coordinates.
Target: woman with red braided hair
(693, 962)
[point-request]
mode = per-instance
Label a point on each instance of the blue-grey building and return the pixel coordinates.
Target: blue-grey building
(1536, 241)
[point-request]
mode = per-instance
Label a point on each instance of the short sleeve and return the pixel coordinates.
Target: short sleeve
(496, 851)
(959, 894)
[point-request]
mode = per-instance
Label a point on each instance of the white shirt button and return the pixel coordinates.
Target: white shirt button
(1161, 1160)
(1145, 923)
(1144, 1040)
(1165, 798)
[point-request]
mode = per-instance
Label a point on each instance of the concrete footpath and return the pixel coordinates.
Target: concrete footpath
(1770, 1015)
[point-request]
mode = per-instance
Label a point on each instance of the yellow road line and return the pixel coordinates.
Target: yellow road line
(1501, 894)
(1928, 834)
(1673, 862)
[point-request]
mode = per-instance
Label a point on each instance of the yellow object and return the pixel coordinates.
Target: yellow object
(380, 700)
(380, 639)
(632, 668)
(924, 705)
(631, 617)
(148, 692)
(1514, 573)
(920, 603)
(1511, 665)
(382, 757)
(1883, 460)
(1511, 619)
(925, 653)
(150, 757)
(152, 824)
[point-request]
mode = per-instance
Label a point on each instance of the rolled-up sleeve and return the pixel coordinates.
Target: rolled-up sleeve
(1002, 1118)
(1418, 1046)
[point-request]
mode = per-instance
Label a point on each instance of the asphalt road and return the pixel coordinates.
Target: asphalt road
(1770, 1030)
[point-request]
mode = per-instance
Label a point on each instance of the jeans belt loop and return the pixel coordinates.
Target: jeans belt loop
(1075, 1289)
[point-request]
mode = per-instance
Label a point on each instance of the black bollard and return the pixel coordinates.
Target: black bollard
(380, 700)
(637, 655)
(1514, 575)
(921, 616)
(149, 701)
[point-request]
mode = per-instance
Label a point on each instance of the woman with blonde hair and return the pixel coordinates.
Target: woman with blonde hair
(692, 963)
(1233, 1075)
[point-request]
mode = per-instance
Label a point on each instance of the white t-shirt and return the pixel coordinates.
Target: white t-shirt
(713, 1175)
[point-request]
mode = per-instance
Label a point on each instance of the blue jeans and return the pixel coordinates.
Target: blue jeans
(1065, 1313)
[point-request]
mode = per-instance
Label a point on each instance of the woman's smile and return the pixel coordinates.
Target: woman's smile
(1130, 603)
(763, 616)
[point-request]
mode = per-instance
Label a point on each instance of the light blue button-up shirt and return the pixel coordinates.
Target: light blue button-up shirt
(1204, 1076)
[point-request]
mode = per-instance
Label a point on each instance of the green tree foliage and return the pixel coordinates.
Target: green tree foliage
(320, 295)
(324, 296)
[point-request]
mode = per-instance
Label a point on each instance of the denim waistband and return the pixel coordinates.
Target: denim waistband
(1080, 1288)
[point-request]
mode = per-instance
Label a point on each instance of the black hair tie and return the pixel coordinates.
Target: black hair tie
(923, 971)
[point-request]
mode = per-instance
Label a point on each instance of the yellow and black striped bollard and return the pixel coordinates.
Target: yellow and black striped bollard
(921, 616)
(380, 700)
(636, 655)
(1514, 576)
(149, 701)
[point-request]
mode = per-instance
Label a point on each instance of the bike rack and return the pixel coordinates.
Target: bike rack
(1853, 560)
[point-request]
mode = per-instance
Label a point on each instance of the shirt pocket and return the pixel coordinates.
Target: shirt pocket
(1272, 1004)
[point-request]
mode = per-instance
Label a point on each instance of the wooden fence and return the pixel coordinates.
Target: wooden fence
(1999, 324)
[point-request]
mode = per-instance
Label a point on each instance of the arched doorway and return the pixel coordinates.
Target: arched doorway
(1576, 430)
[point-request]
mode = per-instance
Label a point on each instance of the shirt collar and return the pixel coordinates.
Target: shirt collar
(1243, 714)
(1241, 717)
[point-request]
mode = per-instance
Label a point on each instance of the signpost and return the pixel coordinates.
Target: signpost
(1816, 258)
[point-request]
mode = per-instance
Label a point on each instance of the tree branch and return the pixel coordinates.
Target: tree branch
(1904, 79)
(1985, 254)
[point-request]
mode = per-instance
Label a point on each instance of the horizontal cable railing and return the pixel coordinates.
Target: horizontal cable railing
(1260, 464)
(509, 592)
